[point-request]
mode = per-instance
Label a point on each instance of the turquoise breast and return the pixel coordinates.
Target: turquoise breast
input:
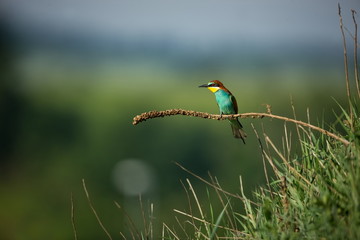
(224, 102)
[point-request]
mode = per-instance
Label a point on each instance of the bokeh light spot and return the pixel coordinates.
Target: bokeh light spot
(133, 177)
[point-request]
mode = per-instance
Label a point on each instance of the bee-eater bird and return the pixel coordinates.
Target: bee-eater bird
(227, 105)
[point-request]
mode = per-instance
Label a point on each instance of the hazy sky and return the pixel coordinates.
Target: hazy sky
(197, 21)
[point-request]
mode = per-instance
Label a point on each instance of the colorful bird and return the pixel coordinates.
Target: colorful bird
(227, 105)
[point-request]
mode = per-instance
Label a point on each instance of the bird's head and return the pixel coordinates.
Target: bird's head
(213, 86)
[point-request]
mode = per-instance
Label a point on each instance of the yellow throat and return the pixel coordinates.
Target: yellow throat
(213, 89)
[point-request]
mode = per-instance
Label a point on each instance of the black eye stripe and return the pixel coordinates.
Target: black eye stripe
(213, 85)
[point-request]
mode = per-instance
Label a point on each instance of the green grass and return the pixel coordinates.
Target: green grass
(314, 194)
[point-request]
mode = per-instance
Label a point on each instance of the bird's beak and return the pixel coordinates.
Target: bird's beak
(204, 85)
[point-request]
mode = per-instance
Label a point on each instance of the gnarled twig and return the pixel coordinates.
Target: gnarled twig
(154, 114)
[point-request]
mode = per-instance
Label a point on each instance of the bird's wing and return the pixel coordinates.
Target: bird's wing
(233, 100)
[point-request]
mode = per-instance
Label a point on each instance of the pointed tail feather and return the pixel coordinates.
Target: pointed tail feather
(237, 130)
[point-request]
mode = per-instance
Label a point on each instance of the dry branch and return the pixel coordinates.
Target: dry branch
(155, 114)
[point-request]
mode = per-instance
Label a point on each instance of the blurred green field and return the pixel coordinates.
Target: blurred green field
(66, 125)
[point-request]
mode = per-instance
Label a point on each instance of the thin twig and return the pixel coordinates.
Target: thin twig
(353, 12)
(347, 81)
(73, 216)
(94, 211)
(155, 114)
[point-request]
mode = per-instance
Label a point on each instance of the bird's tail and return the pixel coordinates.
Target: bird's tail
(237, 130)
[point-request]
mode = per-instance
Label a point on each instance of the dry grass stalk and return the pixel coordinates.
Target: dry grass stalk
(214, 186)
(182, 227)
(353, 12)
(94, 211)
(198, 204)
(291, 168)
(133, 229)
(263, 159)
(147, 229)
(189, 203)
(285, 200)
(169, 230)
(224, 205)
(73, 216)
(207, 223)
(347, 81)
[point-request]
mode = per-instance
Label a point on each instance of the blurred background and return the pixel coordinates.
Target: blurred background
(75, 73)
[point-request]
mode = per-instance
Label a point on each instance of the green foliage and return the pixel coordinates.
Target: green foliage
(314, 195)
